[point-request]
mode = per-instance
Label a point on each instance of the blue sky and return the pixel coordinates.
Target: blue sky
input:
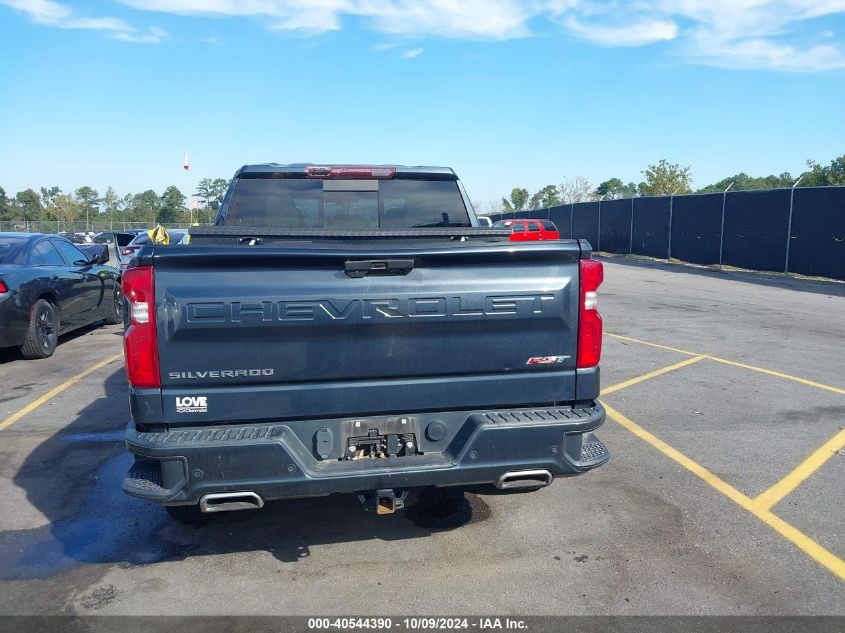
(507, 92)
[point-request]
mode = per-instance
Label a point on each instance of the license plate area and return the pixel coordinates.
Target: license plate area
(379, 439)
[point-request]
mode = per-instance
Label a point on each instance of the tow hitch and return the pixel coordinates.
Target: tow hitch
(383, 501)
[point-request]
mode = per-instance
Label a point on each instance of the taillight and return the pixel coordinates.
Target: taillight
(140, 343)
(347, 171)
(3, 288)
(589, 322)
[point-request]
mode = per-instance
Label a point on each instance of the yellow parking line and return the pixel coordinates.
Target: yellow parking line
(778, 374)
(815, 551)
(32, 406)
(641, 342)
(771, 497)
(770, 372)
(651, 374)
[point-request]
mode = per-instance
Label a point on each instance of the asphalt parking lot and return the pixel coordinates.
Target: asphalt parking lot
(726, 395)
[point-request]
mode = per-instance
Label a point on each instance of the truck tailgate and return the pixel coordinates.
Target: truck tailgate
(272, 333)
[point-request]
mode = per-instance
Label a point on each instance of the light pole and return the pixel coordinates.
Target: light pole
(722, 236)
(789, 226)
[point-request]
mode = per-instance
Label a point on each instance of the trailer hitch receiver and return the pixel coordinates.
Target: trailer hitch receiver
(384, 501)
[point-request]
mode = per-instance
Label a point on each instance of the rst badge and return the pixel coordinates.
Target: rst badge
(546, 360)
(192, 404)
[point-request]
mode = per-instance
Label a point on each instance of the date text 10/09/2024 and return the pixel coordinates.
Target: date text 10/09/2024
(417, 624)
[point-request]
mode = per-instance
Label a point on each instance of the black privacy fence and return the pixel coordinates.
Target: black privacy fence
(799, 230)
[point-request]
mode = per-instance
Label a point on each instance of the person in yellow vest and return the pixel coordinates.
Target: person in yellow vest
(159, 235)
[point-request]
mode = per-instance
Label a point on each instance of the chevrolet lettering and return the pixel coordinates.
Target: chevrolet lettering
(328, 310)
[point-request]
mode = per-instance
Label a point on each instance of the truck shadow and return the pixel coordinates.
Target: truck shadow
(74, 477)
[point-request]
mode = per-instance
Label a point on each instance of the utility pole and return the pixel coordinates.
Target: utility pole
(789, 226)
(722, 238)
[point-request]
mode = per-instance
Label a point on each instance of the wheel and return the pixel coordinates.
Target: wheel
(114, 312)
(186, 515)
(42, 336)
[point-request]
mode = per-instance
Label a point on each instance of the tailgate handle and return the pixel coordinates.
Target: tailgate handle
(362, 268)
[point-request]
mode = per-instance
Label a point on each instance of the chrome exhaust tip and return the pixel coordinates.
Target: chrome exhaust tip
(230, 501)
(524, 479)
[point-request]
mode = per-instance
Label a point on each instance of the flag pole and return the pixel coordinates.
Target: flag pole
(186, 165)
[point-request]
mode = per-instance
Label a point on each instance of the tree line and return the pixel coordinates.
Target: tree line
(170, 207)
(661, 179)
(85, 204)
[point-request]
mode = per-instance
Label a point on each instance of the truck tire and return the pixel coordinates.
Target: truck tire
(42, 335)
(187, 515)
(114, 311)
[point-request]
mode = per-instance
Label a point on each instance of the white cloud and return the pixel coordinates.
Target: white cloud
(153, 36)
(742, 34)
(463, 19)
(55, 14)
(758, 33)
(414, 52)
(762, 53)
(786, 35)
(630, 34)
(472, 19)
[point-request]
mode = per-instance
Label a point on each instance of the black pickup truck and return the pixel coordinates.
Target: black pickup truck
(348, 329)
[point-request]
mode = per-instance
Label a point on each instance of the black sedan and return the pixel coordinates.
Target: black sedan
(49, 286)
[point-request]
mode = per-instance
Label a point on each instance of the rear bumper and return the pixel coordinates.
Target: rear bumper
(271, 460)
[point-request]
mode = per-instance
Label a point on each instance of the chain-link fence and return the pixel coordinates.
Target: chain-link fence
(93, 226)
(799, 230)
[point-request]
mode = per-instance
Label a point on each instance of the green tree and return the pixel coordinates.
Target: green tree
(665, 178)
(517, 202)
(126, 207)
(546, 197)
(5, 206)
(204, 191)
(743, 181)
(144, 207)
(47, 195)
(614, 188)
(172, 206)
(29, 205)
(65, 209)
(89, 203)
(112, 203)
(820, 176)
(212, 191)
(86, 195)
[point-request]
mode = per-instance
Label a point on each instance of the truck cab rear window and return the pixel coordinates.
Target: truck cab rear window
(353, 204)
